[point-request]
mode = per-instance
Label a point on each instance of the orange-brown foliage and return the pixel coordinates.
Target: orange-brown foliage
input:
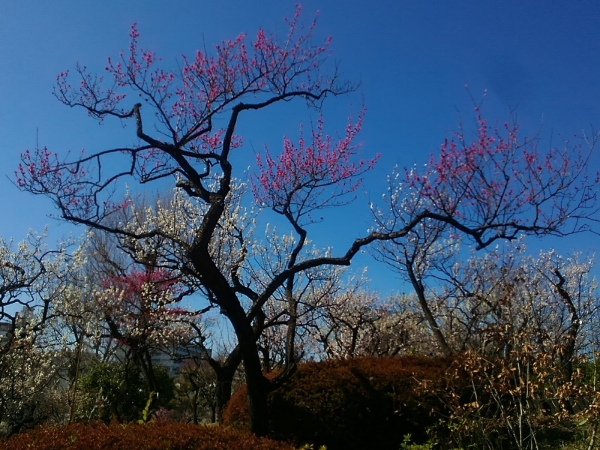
(152, 436)
(355, 403)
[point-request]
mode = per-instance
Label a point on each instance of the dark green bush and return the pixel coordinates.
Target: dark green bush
(152, 436)
(354, 404)
(115, 391)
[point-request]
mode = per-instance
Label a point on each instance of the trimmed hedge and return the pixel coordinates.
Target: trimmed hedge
(151, 436)
(354, 404)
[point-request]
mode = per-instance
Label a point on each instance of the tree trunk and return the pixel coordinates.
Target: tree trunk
(290, 338)
(420, 291)
(256, 382)
(226, 298)
(258, 385)
(568, 350)
(195, 397)
(225, 372)
(195, 408)
(223, 392)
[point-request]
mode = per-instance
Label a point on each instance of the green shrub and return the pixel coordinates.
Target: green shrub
(115, 391)
(152, 436)
(354, 404)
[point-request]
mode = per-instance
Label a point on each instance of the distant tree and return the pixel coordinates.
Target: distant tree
(32, 276)
(138, 310)
(33, 279)
(527, 330)
(357, 322)
(485, 192)
(493, 187)
(479, 302)
(295, 308)
(196, 392)
(508, 299)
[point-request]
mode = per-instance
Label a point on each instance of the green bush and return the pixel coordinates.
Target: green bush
(115, 391)
(152, 436)
(354, 404)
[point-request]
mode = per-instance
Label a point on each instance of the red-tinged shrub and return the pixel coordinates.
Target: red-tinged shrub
(152, 436)
(354, 404)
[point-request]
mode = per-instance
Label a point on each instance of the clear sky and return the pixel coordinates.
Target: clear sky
(540, 60)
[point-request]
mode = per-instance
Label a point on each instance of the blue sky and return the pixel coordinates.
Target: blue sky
(539, 60)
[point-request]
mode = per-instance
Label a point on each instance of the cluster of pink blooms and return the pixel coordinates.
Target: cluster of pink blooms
(296, 180)
(143, 304)
(495, 176)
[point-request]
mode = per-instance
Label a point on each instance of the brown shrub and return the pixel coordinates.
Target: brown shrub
(355, 403)
(152, 436)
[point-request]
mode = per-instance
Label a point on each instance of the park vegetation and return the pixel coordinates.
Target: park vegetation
(273, 337)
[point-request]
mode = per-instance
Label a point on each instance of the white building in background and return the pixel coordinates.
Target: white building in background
(175, 359)
(6, 328)
(5, 332)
